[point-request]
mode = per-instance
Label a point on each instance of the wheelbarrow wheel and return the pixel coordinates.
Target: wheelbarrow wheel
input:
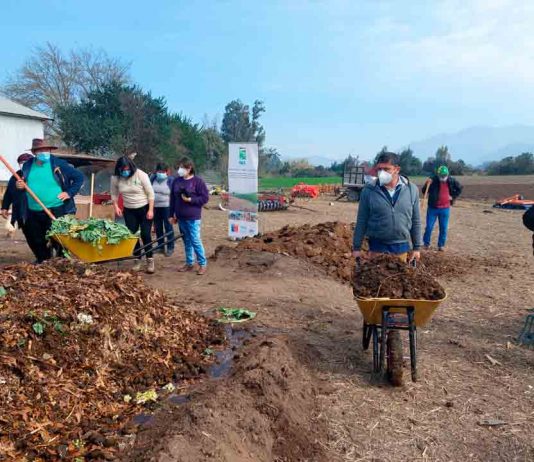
(394, 358)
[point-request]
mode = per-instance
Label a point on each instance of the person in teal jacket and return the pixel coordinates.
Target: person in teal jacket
(55, 183)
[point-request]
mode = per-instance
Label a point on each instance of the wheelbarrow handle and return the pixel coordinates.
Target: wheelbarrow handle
(176, 237)
(142, 254)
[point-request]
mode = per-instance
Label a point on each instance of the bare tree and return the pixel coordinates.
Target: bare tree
(51, 78)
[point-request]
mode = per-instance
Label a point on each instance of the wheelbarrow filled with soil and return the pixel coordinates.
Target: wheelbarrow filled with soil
(393, 297)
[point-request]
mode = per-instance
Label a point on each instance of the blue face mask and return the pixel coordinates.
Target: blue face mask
(43, 156)
(125, 173)
(161, 176)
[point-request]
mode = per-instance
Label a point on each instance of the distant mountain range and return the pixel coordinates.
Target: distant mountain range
(479, 145)
(475, 145)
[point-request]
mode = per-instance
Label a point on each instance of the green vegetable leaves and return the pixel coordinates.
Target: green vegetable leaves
(235, 315)
(92, 230)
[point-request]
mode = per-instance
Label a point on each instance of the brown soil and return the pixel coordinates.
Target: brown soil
(326, 244)
(266, 411)
(387, 276)
(74, 341)
(493, 192)
(444, 416)
(329, 246)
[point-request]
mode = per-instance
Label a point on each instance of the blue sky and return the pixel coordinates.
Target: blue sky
(337, 76)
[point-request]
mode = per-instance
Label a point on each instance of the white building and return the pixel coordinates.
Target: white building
(18, 126)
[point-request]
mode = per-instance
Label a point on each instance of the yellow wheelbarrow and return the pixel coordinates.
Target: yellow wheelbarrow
(103, 252)
(110, 253)
(383, 319)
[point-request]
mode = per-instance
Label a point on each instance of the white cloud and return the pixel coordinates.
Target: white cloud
(482, 41)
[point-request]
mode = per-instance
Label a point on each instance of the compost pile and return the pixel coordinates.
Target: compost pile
(386, 276)
(92, 230)
(329, 245)
(82, 351)
(326, 244)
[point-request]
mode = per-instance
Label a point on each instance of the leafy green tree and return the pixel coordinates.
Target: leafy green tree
(410, 165)
(241, 124)
(339, 167)
(379, 153)
(117, 118)
(215, 145)
(429, 166)
(443, 157)
(460, 168)
(186, 139)
(270, 162)
(522, 164)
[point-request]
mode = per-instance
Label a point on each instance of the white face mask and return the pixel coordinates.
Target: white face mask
(384, 177)
(181, 171)
(443, 179)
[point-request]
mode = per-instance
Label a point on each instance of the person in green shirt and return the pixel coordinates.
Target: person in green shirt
(55, 183)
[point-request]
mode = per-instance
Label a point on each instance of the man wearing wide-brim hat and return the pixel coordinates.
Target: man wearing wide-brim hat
(55, 183)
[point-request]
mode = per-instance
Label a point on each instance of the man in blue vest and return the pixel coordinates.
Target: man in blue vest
(388, 213)
(55, 183)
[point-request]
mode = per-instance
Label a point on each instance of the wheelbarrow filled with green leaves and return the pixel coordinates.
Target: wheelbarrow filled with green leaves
(99, 241)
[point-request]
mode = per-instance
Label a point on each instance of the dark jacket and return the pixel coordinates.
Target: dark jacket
(67, 177)
(528, 219)
(378, 218)
(455, 189)
(14, 198)
(196, 189)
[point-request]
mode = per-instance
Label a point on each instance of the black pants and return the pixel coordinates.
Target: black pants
(161, 222)
(136, 219)
(35, 228)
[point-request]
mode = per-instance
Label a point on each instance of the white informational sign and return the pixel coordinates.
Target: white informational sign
(243, 190)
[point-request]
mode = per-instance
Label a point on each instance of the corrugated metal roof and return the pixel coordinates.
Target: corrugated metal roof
(81, 159)
(10, 107)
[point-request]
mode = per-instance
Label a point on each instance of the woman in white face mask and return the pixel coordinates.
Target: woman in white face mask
(388, 214)
(189, 194)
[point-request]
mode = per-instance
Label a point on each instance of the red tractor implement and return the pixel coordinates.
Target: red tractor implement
(516, 201)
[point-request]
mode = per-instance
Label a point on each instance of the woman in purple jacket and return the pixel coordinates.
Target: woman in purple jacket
(188, 195)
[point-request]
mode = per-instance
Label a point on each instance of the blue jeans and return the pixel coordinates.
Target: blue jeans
(190, 230)
(432, 215)
(161, 221)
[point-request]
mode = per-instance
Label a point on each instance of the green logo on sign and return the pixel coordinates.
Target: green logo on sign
(242, 156)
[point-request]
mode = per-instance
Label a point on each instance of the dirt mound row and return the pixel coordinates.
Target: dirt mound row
(387, 276)
(80, 347)
(326, 244)
(329, 245)
(266, 411)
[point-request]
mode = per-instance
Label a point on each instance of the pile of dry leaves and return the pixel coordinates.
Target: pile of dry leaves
(82, 350)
